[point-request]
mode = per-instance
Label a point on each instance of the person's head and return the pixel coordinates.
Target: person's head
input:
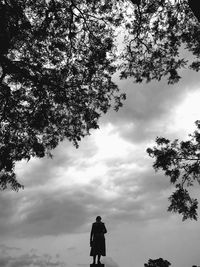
(98, 218)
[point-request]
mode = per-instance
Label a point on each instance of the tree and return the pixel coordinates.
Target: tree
(157, 263)
(56, 63)
(180, 161)
(159, 32)
(57, 58)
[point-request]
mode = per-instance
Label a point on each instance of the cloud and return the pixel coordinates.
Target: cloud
(42, 172)
(137, 196)
(149, 107)
(41, 213)
(25, 260)
(4, 249)
(119, 186)
(71, 248)
(109, 262)
(110, 174)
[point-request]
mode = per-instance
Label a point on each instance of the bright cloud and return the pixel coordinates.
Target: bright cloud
(187, 113)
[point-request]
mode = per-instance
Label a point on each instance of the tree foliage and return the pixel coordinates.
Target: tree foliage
(57, 58)
(159, 32)
(161, 36)
(180, 161)
(56, 63)
(157, 263)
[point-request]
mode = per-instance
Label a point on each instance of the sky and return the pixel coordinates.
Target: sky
(111, 175)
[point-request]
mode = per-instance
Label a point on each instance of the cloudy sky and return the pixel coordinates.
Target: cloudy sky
(48, 223)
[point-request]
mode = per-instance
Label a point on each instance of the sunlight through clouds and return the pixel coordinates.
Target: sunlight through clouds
(110, 144)
(186, 113)
(109, 147)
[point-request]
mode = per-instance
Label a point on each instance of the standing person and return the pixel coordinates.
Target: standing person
(97, 240)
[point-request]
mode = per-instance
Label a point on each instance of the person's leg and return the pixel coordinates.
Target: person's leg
(94, 259)
(99, 257)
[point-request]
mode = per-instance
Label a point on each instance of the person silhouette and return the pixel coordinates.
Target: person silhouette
(97, 240)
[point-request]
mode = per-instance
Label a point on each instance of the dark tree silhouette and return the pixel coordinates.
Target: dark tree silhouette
(180, 161)
(157, 263)
(56, 62)
(56, 65)
(159, 31)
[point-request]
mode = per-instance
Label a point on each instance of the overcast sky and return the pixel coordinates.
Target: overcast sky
(48, 223)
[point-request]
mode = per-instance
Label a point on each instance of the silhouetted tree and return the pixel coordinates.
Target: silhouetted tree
(180, 161)
(157, 263)
(159, 32)
(56, 65)
(56, 62)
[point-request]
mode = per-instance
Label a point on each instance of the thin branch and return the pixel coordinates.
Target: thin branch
(83, 16)
(197, 159)
(2, 76)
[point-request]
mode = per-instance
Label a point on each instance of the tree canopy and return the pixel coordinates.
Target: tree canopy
(180, 161)
(56, 67)
(57, 58)
(158, 32)
(157, 263)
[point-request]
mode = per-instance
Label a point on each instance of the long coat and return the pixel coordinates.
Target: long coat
(97, 239)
